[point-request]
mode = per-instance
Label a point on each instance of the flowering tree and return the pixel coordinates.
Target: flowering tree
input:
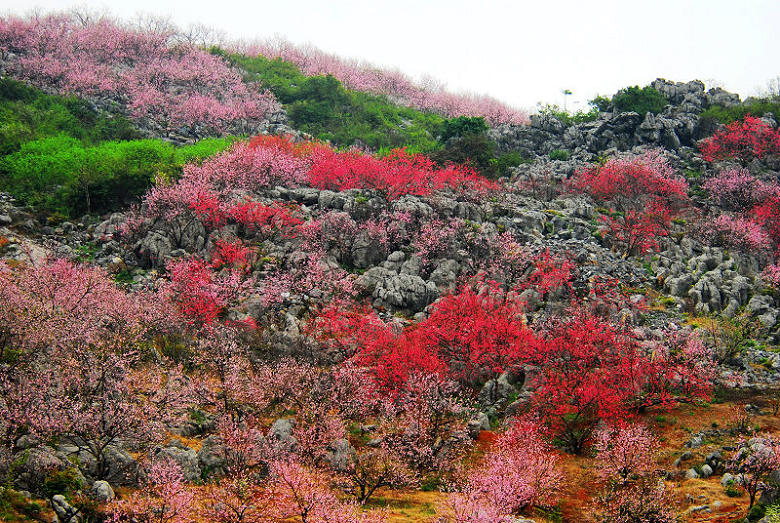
(624, 451)
(737, 190)
(588, 370)
(395, 175)
(625, 461)
(374, 468)
(645, 195)
(743, 140)
(519, 471)
(753, 462)
(736, 232)
(478, 332)
(168, 85)
(425, 423)
(302, 493)
(428, 95)
(163, 499)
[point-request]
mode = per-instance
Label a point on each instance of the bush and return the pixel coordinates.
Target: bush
(559, 154)
(742, 140)
(462, 126)
(731, 114)
(568, 118)
(28, 114)
(61, 174)
(324, 108)
(642, 101)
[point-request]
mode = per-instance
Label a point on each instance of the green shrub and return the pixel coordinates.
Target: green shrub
(758, 108)
(476, 150)
(568, 118)
(640, 100)
(66, 482)
(559, 154)
(323, 107)
(27, 113)
(199, 151)
(60, 174)
(461, 126)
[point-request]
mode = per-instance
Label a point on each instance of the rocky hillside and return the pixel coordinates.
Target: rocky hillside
(572, 319)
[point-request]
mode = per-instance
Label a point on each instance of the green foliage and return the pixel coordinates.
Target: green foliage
(506, 161)
(568, 118)
(559, 154)
(15, 507)
(324, 108)
(60, 174)
(27, 113)
(640, 100)
(60, 156)
(461, 126)
(756, 513)
(66, 482)
(476, 150)
(757, 108)
(199, 151)
(601, 103)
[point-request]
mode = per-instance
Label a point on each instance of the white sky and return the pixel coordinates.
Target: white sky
(520, 51)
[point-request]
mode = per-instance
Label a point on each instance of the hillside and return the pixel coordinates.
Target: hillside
(260, 283)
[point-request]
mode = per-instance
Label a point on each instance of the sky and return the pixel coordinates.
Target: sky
(521, 52)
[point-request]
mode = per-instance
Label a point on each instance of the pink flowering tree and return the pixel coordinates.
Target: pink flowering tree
(428, 95)
(519, 471)
(167, 83)
(625, 463)
(303, 493)
(752, 464)
(164, 498)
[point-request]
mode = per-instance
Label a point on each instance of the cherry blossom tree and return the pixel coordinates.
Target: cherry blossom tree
(752, 463)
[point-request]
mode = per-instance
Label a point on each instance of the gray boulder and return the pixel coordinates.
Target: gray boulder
(496, 392)
(211, 456)
(64, 512)
(477, 424)
(102, 492)
(406, 292)
(186, 458)
(341, 455)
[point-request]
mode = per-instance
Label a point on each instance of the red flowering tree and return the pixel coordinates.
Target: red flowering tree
(589, 370)
(395, 175)
(742, 140)
(643, 194)
(478, 332)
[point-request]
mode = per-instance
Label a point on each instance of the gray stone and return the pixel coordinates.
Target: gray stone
(477, 424)
(282, 431)
(727, 479)
(496, 392)
(64, 512)
(341, 455)
(365, 251)
(211, 456)
(405, 291)
(102, 491)
(706, 471)
(691, 474)
(186, 458)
